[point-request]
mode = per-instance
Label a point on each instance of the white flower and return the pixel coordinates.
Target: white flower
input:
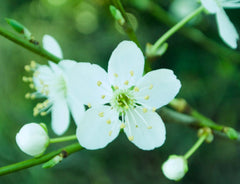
(123, 99)
(32, 139)
(226, 29)
(175, 167)
(52, 82)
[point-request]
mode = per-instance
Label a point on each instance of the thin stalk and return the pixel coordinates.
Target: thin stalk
(195, 146)
(36, 161)
(175, 28)
(63, 139)
(28, 45)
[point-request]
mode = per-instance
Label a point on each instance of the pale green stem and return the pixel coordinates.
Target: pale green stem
(63, 139)
(175, 28)
(195, 146)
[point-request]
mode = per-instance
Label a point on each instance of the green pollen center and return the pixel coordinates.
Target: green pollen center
(123, 100)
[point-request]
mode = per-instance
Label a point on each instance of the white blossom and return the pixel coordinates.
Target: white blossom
(226, 29)
(32, 139)
(51, 82)
(123, 99)
(175, 167)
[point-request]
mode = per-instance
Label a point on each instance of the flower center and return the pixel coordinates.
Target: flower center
(122, 100)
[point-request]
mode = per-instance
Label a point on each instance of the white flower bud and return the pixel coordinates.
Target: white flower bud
(32, 139)
(175, 167)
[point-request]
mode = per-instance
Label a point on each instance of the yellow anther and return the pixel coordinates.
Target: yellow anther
(33, 64)
(136, 126)
(131, 73)
(126, 82)
(99, 83)
(35, 112)
(122, 125)
(39, 106)
(115, 75)
(110, 133)
(36, 74)
(31, 86)
(116, 87)
(33, 96)
(151, 86)
(146, 97)
(25, 79)
(149, 127)
(101, 114)
(130, 138)
(109, 121)
(45, 103)
(154, 109)
(89, 105)
(43, 113)
(27, 68)
(145, 110)
(136, 89)
(27, 95)
(103, 96)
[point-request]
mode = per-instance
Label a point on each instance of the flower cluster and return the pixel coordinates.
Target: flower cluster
(121, 99)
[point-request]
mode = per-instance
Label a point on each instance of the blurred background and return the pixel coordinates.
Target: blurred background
(207, 68)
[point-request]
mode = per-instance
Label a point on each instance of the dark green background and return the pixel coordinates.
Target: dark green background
(87, 33)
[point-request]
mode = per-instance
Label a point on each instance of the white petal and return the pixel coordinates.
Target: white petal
(77, 109)
(67, 64)
(226, 29)
(210, 5)
(147, 129)
(126, 65)
(157, 88)
(60, 116)
(89, 83)
(94, 130)
(52, 46)
(55, 68)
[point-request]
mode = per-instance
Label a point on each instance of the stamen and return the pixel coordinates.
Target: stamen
(89, 105)
(115, 75)
(25, 79)
(103, 96)
(109, 121)
(33, 64)
(31, 86)
(146, 97)
(131, 73)
(122, 125)
(43, 113)
(145, 110)
(144, 121)
(153, 109)
(130, 138)
(149, 127)
(136, 89)
(27, 68)
(101, 114)
(116, 87)
(99, 83)
(126, 82)
(151, 86)
(110, 133)
(28, 95)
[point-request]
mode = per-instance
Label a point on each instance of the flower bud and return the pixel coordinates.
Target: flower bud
(32, 139)
(175, 167)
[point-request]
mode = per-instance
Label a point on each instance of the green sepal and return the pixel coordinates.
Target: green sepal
(155, 53)
(117, 15)
(17, 26)
(231, 133)
(54, 161)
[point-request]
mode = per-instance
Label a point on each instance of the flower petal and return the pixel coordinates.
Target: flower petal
(60, 116)
(210, 5)
(126, 65)
(157, 88)
(52, 46)
(145, 129)
(89, 83)
(226, 29)
(98, 127)
(77, 109)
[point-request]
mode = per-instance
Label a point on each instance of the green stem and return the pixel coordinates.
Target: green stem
(195, 146)
(36, 161)
(28, 45)
(63, 139)
(175, 28)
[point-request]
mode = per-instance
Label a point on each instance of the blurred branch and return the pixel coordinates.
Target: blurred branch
(127, 25)
(28, 45)
(192, 34)
(39, 160)
(192, 118)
